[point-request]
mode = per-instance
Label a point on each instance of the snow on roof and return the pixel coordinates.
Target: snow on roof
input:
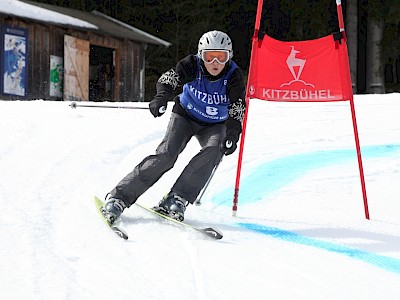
(21, 9)
(95, 21)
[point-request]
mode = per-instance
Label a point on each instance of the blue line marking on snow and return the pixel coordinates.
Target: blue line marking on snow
(273, 175)
(384, 262)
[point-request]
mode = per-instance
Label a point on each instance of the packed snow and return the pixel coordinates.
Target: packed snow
(300, 230)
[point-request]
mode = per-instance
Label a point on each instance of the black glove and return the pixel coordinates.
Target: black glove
(157, 107)
(229, 145)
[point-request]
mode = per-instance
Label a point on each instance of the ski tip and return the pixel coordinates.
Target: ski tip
(121, 233)
(213, 233)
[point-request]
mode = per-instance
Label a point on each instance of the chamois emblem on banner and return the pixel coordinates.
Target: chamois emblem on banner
(295, 64)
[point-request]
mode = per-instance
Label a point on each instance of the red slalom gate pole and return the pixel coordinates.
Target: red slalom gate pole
(242, 138)
(359, 158)
(353, 115)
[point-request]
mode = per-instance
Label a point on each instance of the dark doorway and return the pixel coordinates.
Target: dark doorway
(101, 77)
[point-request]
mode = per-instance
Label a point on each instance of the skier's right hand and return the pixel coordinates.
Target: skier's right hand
(157, 107)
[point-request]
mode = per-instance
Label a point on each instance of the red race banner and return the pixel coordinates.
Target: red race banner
(299, 71)
(305, 71)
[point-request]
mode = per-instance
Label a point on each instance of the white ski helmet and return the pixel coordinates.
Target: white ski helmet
(215, 40)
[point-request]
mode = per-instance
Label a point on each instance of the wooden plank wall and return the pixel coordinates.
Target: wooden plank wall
(46, 40)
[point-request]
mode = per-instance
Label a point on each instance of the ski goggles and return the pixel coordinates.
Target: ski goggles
(209, 56)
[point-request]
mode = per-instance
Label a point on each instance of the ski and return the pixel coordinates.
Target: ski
(209, 231)
(99, 205)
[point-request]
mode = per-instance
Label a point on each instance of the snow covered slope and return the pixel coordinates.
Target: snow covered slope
(300, 231)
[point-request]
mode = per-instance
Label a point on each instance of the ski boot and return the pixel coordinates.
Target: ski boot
(172, 205)
(112, 209)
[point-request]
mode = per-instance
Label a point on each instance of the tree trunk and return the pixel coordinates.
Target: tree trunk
(375, 72)
(351, 33)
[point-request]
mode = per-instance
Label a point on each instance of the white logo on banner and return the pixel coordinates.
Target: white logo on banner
(252, 90)
(295, 64)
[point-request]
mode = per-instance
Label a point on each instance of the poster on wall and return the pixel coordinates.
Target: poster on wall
(56, 76)
(14, 65)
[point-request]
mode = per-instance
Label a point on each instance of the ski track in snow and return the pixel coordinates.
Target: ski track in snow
(303, 238)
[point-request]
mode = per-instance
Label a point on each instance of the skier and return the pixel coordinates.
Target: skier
(210, 107)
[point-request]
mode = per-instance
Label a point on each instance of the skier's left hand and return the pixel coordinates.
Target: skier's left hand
(229, 145)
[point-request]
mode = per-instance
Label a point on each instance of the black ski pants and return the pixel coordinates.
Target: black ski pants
(195, 175)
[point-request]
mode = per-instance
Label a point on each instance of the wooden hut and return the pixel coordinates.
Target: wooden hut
(51, 52)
